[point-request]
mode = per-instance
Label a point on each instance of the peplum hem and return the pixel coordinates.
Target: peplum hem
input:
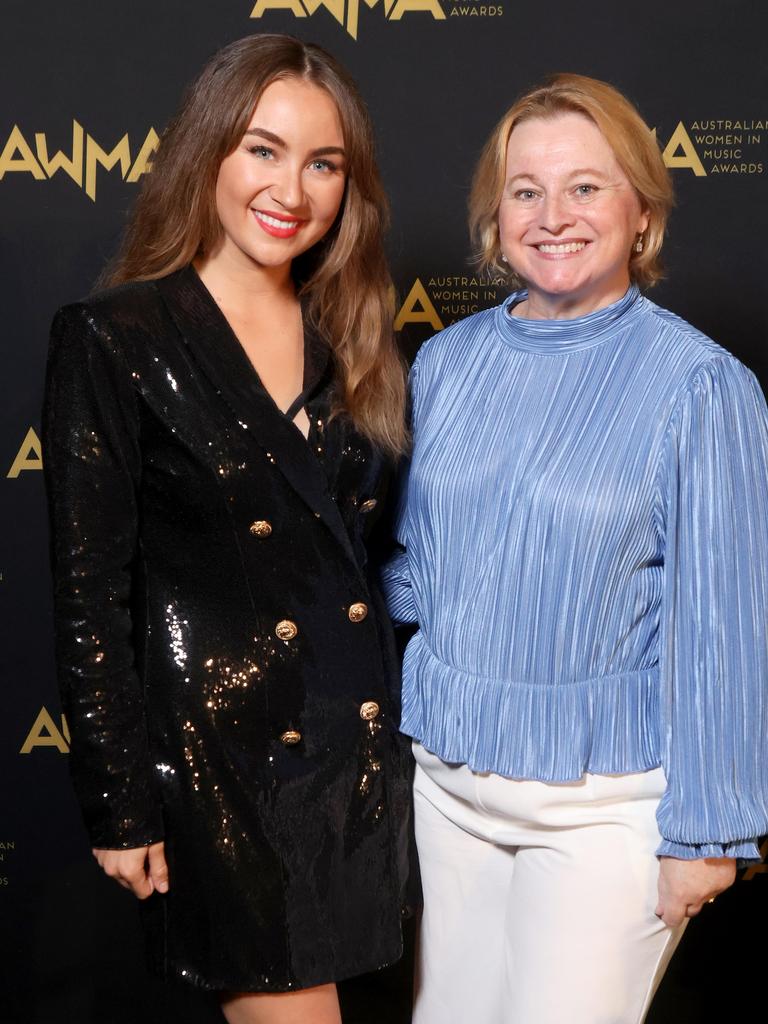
(550, 733)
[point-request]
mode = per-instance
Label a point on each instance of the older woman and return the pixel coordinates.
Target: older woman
(586, 556)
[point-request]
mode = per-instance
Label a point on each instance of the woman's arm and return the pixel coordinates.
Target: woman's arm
(396, 582)
(396, 586)
(714, 642)
(93, 471)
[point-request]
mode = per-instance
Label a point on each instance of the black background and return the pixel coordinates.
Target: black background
(70, 947)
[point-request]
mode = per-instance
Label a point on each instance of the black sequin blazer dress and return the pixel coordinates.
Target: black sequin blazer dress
(224, 660)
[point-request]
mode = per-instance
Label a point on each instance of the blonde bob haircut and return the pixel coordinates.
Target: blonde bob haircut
(630, 138)
(343, 280)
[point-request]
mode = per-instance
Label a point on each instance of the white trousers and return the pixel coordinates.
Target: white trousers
(539, 898)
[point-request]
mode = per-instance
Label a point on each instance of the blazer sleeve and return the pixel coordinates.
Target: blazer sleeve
(714, 638)
(92, 468)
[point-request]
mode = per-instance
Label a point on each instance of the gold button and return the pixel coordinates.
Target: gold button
(261, 528)
(290, 738)
(286, 630)
(369, 710)
(369, 506)
(357, 611)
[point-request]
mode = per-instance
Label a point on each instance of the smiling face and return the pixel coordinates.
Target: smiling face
(280, 190)
(568, 217)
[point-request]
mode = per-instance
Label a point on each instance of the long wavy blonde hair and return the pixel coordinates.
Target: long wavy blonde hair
(343, 280)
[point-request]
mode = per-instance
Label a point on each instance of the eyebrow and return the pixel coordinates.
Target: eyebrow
(271, 137)
(590, 171)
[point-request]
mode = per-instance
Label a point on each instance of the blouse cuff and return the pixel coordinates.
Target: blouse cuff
(742, 849)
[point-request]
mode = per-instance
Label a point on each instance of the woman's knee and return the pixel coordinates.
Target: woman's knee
(318, 1005)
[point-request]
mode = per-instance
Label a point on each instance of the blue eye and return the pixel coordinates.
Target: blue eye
(526, 194)
(323, 165)
(585, 190)
(263, 152)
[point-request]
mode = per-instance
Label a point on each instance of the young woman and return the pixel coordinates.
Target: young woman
(216, 426)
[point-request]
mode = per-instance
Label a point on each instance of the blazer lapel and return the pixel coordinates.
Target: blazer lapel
(221, 357)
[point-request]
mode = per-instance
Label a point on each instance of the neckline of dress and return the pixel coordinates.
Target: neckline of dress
(550, 337)
(314, 368)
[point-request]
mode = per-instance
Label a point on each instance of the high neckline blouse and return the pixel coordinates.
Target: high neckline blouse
(551, 337)
(586, 555)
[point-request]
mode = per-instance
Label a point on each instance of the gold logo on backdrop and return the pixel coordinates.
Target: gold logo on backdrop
(29, 455)
(84, 161)
(418, 309)
(474, 9)
(347, 12)
(720, 146)
(445, 299)
(45, 733)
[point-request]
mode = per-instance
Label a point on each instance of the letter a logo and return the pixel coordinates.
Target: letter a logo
(45, 733)
(680, 139)
(410, 314)
(29, 455)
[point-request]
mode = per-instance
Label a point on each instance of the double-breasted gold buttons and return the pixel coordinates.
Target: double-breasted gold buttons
(261, 528)
(357, 611)
(369, 505)
(290, 738)
(286, 630)
(369, 710)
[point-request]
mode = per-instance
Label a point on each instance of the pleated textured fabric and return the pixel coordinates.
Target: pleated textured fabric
(585, 535)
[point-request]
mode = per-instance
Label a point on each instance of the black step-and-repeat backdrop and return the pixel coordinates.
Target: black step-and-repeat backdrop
(85, 90)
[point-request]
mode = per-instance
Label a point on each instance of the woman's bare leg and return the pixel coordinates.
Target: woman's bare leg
(319, 1005)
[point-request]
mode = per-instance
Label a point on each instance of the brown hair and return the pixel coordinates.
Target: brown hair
(344, 279)
(627, 134)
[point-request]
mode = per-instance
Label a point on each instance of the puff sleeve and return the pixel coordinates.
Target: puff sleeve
(714, 636)
(396, 583)
(93, 468)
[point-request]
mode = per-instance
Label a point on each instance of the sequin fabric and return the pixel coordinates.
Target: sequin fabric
(162, 450)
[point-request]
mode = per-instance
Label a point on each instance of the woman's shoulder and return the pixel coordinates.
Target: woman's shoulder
(130, 305)
(685, 352)
(129, 321)
(677, 334)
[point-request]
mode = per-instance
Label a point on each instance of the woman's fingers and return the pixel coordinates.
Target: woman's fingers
(128, 868)
(671, 911)
(139, 881)
(158, 869)
(686, 885)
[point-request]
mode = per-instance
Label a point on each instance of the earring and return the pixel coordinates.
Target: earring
(638, 246)
(504, 258)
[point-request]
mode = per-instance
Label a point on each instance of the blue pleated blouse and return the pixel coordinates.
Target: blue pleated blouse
(585, 550)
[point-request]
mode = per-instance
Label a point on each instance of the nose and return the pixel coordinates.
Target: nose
(288, 189)
(555, 214)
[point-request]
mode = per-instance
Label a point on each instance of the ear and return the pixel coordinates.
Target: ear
(643, 221)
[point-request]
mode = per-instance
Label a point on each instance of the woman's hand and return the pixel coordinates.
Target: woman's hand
(686, 885)
(142, 870)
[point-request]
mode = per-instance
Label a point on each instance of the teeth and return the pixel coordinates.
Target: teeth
(557, 249)
(274, 222)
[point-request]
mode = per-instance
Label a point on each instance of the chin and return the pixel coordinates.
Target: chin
(561, 289)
